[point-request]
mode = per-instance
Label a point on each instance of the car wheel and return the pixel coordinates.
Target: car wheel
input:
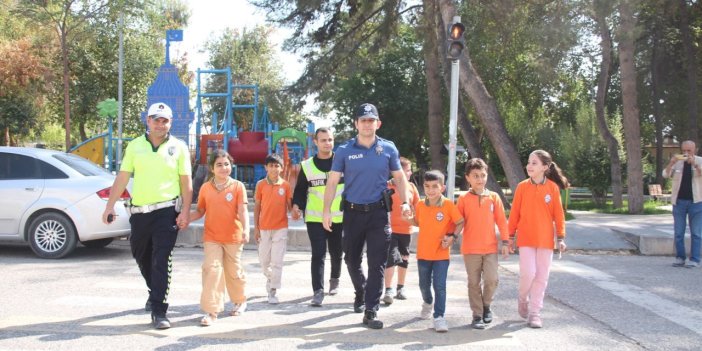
(51, 235)
(98, 243)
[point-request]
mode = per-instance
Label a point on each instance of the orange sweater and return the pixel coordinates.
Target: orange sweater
(434, 222)
(480, 214)
(398, 224)
(536, 208)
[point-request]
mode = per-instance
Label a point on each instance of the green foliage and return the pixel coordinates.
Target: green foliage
(650, 207)
(395, 83)
(252, 58)
(18, 116)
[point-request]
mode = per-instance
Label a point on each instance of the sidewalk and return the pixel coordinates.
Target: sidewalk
(639, 234)
(589, 233)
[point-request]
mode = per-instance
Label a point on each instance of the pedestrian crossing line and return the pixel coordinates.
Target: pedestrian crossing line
(684, 316)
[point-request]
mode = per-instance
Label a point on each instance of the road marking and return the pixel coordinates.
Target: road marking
(684, 316)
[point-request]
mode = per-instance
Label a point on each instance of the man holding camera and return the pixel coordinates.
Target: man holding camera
(686, 197)
(366, 161)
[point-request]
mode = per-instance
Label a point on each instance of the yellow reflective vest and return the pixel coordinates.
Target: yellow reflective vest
(317, 182)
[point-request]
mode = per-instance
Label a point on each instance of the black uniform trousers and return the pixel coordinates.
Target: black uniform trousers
(320, 239)
(371, 228)
(152, 240)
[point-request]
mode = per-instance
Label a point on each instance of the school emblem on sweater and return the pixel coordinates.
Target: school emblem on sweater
(229, 197)
(171, 150)
(439, 216)
(281, 191)
(547, 198)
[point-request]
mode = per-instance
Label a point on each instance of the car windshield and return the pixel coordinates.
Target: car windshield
(81, 165)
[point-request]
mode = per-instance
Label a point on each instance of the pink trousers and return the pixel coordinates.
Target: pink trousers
(534, 268)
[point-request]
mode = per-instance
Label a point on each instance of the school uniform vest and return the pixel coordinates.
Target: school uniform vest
(317, 182)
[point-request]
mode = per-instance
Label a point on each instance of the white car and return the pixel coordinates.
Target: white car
(53, 199)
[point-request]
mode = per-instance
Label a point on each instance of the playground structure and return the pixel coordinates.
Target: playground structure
(248, 148)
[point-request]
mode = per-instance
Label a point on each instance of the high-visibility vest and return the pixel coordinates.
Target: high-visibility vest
(317, 182)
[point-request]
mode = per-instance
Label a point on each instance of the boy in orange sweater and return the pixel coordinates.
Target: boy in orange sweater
(437, 218)
(273, 202)
(481, 209)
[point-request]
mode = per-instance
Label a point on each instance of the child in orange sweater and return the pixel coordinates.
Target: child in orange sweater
(536, 210)
(481, 209)
(438, 220)
(222, 201)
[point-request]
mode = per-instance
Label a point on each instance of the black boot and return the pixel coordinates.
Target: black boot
(358, 303)
(371, 320)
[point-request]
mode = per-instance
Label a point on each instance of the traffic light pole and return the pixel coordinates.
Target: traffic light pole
(453, 121)
(455, 49)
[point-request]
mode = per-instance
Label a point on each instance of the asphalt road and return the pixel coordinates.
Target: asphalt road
(94, 300)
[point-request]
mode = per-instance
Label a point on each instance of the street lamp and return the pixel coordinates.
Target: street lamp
(455, 47)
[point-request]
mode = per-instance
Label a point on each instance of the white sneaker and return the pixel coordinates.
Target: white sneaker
(239, 308)
(440, 325)
(272, 299)
(426, 310)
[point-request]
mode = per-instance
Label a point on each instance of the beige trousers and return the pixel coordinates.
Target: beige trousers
(481, 267)
(271, 251)
(222, 267)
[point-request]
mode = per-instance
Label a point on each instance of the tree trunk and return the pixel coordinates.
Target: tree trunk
(485, 107)
(691, 67)
(472, 141)
(7, 136)
(631, 123)
(431, 65)
(66, 96)
(470, 138)
(81, 130)
(656, 60)
(602, 88)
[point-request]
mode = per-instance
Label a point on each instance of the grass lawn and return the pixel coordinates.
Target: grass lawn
(650, 207)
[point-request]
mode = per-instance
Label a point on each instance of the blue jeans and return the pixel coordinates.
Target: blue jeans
(433, 273)
(693, 211)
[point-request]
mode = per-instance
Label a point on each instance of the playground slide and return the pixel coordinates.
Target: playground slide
(92, 149)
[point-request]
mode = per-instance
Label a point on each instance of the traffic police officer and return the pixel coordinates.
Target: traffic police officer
(160, 203)
(309, 197)
(366, 161)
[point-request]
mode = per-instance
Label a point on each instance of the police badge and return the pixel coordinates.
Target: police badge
(171, 150)
(378, 149)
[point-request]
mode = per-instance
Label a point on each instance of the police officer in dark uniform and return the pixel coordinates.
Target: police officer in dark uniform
(366, 162)
(160, 204)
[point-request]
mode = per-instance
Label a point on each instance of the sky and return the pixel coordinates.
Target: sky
(210, 17)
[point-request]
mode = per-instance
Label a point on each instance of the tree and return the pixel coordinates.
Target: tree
(67, 18)
(485, 107)
(630, 112)
(691, 67)
(21, 76)
(601, 9)
(252, 58)
(432, 61)
(391, 83)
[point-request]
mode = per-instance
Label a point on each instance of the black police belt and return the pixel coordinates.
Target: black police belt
(363, 207)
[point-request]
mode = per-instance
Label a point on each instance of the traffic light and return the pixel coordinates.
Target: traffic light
(456, 42)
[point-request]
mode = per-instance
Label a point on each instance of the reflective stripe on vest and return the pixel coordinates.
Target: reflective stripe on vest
(317, 182)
